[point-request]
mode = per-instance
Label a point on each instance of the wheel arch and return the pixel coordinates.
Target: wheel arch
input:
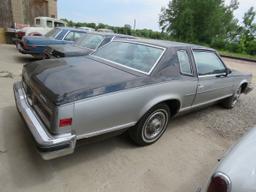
(243, 85)
(174, 104)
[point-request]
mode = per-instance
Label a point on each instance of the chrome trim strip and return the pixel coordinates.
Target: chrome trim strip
(226, 178)
(202, 104)
(149, 45)
(206, 50)
(108, 130)
(211, 75)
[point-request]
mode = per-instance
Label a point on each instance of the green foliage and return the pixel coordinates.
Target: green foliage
(207, 22)
(251, 47)
(198, 21)
(248, 31)
(146, 33)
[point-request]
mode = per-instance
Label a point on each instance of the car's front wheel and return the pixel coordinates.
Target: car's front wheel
(231, 102)
(151, 126)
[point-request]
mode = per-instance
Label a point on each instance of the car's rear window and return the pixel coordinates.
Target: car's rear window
(53, 33)
(139, 57)
(91, 41)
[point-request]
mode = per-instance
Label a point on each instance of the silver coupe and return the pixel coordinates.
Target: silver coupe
(134, 85)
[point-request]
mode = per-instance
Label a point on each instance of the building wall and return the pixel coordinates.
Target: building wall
(52, 8)
(18, 11)
(24, 11)
(6, 14)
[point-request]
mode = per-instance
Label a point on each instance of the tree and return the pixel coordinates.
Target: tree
(249, 29)
(198, 21)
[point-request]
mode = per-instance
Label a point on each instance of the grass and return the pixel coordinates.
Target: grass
(238, 55)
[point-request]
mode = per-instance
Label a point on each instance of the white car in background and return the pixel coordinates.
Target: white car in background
(237, 170)
(89, 29)
(105, 30)
(42, 25)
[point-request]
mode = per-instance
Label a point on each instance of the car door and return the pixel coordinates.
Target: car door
(188, 75)
(213, 81)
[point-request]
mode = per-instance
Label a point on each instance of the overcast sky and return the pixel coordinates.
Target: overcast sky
(120, 12)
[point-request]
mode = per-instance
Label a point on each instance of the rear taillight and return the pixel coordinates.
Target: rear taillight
(20, 34)
(25, 46)
(219, 183)
(65, 122)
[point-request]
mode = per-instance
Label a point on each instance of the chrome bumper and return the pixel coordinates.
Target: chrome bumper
(49, 146)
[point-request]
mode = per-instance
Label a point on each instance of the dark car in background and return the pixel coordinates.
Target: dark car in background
(35, 45)
(83, 46)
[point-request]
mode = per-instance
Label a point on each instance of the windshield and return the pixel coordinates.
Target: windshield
(139, 57)
(91, 41)
(53, 33)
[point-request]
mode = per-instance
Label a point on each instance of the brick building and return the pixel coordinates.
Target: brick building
(24, 11)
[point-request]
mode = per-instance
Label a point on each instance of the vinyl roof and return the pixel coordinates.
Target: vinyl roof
(169, 44)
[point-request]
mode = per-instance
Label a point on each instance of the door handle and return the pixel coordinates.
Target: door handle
(221, 75)
(200, 86)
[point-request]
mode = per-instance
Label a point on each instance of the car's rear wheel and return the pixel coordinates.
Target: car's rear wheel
(231, 102)
(151, 126)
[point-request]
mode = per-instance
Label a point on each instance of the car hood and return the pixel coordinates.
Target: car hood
(69, 79)
(71, 50)
(39, 40)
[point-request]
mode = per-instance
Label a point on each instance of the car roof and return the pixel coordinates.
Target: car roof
(168, 44)
(110, 34)
(71, 28)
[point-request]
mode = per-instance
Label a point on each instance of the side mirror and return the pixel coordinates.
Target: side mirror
(228, 71)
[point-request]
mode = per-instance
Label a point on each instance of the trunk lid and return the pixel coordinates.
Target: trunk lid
(62, 80)
(70, 50)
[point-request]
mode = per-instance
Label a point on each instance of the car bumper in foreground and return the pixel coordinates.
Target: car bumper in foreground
(49, 146)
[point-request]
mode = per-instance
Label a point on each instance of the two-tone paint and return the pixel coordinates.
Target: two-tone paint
(102, 97)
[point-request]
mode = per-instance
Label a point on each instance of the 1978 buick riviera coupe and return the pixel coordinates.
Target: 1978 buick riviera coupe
(134, 84)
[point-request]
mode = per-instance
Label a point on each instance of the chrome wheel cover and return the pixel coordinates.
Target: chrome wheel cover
(155, 125)
(236, 97)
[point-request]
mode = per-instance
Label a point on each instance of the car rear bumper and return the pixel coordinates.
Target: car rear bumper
(49, 146)
(22, 50)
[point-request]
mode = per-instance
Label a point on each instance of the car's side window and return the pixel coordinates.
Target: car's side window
(77, 35)
(70, 36)
(57, 24)
(208, 63)
(49, 24)
(185, 66)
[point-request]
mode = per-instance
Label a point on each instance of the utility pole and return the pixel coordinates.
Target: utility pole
(134, 24)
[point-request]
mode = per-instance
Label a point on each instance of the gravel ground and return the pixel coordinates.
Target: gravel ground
(180, 161)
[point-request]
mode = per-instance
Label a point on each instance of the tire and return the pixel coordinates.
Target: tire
(231, 102)
(151, 126)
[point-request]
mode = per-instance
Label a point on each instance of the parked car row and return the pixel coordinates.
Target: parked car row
(52, 44)
(36, 45)
(83, 46)
(109, 84)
